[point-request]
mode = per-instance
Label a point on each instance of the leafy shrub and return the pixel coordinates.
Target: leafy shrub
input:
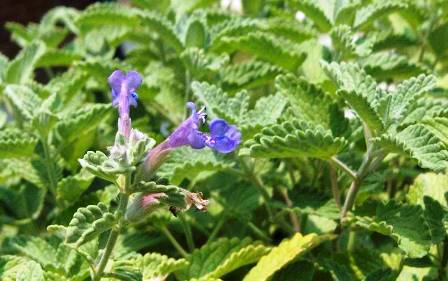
(338, 147)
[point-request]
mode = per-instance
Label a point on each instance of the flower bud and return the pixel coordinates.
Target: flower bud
(143, 204)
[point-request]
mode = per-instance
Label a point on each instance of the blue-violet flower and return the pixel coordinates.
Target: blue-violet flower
(223, 138)
(123, 96)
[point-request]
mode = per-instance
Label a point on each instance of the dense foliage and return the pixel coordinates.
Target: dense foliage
(340, 173)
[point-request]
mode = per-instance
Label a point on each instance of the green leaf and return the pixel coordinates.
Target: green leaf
(174, 195)
(189, 163)
(359, 91)
(306, 101)
(295, 139)
(221, 257)
(343, 39)
(58, 57)
(26, 201)
(36, 249)
(15, 143)
(196, 34)
(396, 105)
(235, 109)
(19, 268)
(24, 101)
(87, 223)
(201, 64)
(155, 265)
(248, 75)
(287, 251)
(278, 51)
(404, 223)
(101, 166)
(377, 9)
(430, 185)
(20, 69)
(81, 122)
(69, 189)
(163, 27)
(419, 143)
(387, 65)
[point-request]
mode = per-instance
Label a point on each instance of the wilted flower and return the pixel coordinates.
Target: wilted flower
(223, 138)
(123, 96)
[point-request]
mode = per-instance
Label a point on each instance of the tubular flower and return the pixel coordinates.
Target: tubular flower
(123, 88)
(223, 138)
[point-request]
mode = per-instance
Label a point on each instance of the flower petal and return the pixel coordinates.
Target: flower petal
(223, 144)
(134, 80)
(218, 128)
(115, 79)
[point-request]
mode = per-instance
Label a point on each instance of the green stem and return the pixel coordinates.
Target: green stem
(173, 241)
(112, 240)
(356, 184)
(351, 241)
(259, 232)
(216, 229)
(338, 163)
(49, 167)
(334, 185)
(187, 90)
(187, 231)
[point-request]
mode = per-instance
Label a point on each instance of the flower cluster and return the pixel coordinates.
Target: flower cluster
(222, 137)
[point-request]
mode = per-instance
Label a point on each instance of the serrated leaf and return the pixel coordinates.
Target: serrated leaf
(359, 90)
(281, 52)
(36, 249)
(20, 268)
(20, 70)
(404, 223)
(295, 139)
(189, 163)
(221, 257)
(70, 188)
(155, 265)
(163, 27)
(287, 251)
(428, 185)
(174, 195)
(24, 101)
(201, 64)
(307, 101)
(377, 9)
(248, 75)
(419, 143)
(81, 122)
(26, 201)
(15, 143)
(386, 65)
(58, 57)
(101, 166)
(87, 223)
(395, 106)
(343, 39)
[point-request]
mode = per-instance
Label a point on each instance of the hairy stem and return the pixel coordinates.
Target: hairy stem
(356, 184)
(52, 178)
(292, 215)
(334, 185)
(216, 229)
(341, 165)
(112, 240)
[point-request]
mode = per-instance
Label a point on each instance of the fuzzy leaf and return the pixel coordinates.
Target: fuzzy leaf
(221, 257)
(404, 223)
(20, 70)
(343, 39)
(396, 105)
(307, 102)
(377, 9)
(81, 122)
(295, 139)
(69, 189)
(189, 163)
(36, 249)
(174, 196)
(384, 65)
(281, 52)
(248, 75)
(287, 251)
(201, 64)
(87, 223)
(419, 143)
(16, 144)
(155, 265)
(359, 91)
(101, 166)
(24, 101)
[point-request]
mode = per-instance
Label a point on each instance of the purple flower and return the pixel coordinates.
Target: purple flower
(223, 138)
(123, 96)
